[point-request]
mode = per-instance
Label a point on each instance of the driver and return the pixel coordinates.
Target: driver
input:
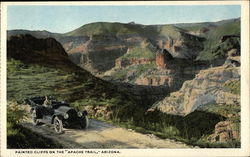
(47, 102)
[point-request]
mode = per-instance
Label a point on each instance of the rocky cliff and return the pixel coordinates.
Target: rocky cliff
(176, 71)
(205, 88)
(38, 51)
(109, 50)
(96, 46)
(214, 91)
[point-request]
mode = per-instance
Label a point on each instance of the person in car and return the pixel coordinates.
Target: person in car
(47, 102)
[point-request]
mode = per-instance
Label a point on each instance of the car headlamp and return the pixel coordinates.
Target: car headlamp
(66, 116)
(79, 114)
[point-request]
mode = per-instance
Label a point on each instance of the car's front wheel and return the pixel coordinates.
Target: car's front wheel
(58, 125)
(84, 122)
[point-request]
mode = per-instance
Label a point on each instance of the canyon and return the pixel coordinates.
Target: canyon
(126, 72)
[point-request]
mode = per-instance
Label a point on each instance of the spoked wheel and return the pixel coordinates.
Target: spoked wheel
(34, 117)
(58, 126)
(84, 122)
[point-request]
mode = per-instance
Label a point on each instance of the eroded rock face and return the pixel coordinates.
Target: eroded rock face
(95, 53)
(162, 58)
(173, 75)
(158, 77)
(225, 131)
(205, 88)
(184, 46)
(99, 53)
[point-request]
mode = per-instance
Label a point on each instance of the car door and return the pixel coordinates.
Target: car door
(49, 112)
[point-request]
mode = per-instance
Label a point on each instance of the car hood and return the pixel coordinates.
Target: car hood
(63, 109)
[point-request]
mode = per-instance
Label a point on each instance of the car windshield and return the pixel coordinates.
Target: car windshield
(56, 104)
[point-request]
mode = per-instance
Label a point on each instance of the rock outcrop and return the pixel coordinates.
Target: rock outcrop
(185, 45)
(158, 77)
(172, 74)
(225, 131)
(205, 88)
(29, 49)
(95, 53)
(162, 58)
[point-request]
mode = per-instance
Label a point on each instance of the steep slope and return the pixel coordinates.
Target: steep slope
(214, 32)
(40, 51)
(206, 88)
(214, 91)
(105, 42)
(125, 52)
(41, 66)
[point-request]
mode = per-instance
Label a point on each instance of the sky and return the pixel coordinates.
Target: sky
(62, 19)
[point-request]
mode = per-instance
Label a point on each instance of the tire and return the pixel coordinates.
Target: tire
(84, 122)
(35, 121)
(58, 125)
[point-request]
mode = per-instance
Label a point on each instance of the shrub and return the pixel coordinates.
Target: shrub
(232, 86)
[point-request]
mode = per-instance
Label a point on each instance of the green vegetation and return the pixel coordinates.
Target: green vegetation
(192, 129)
(214, 50)
(29, 80)
(20, 137)
(33, 80)
(231, 112)
(215, 31)
(232, 87)
(123, 29)
(169, 31)
(219, 51)
(138, 52)
(114, 29)
(137, 70)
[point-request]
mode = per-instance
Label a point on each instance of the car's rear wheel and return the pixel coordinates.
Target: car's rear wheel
(84, 122)
(35, 121)
(58, 125)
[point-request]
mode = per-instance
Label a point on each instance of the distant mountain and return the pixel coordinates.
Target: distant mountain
(98, 47)
(38, 34)
(196, 26)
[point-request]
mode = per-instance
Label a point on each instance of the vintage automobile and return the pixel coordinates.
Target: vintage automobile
(58, 113)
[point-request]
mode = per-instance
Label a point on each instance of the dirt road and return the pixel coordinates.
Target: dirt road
(102, 135)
